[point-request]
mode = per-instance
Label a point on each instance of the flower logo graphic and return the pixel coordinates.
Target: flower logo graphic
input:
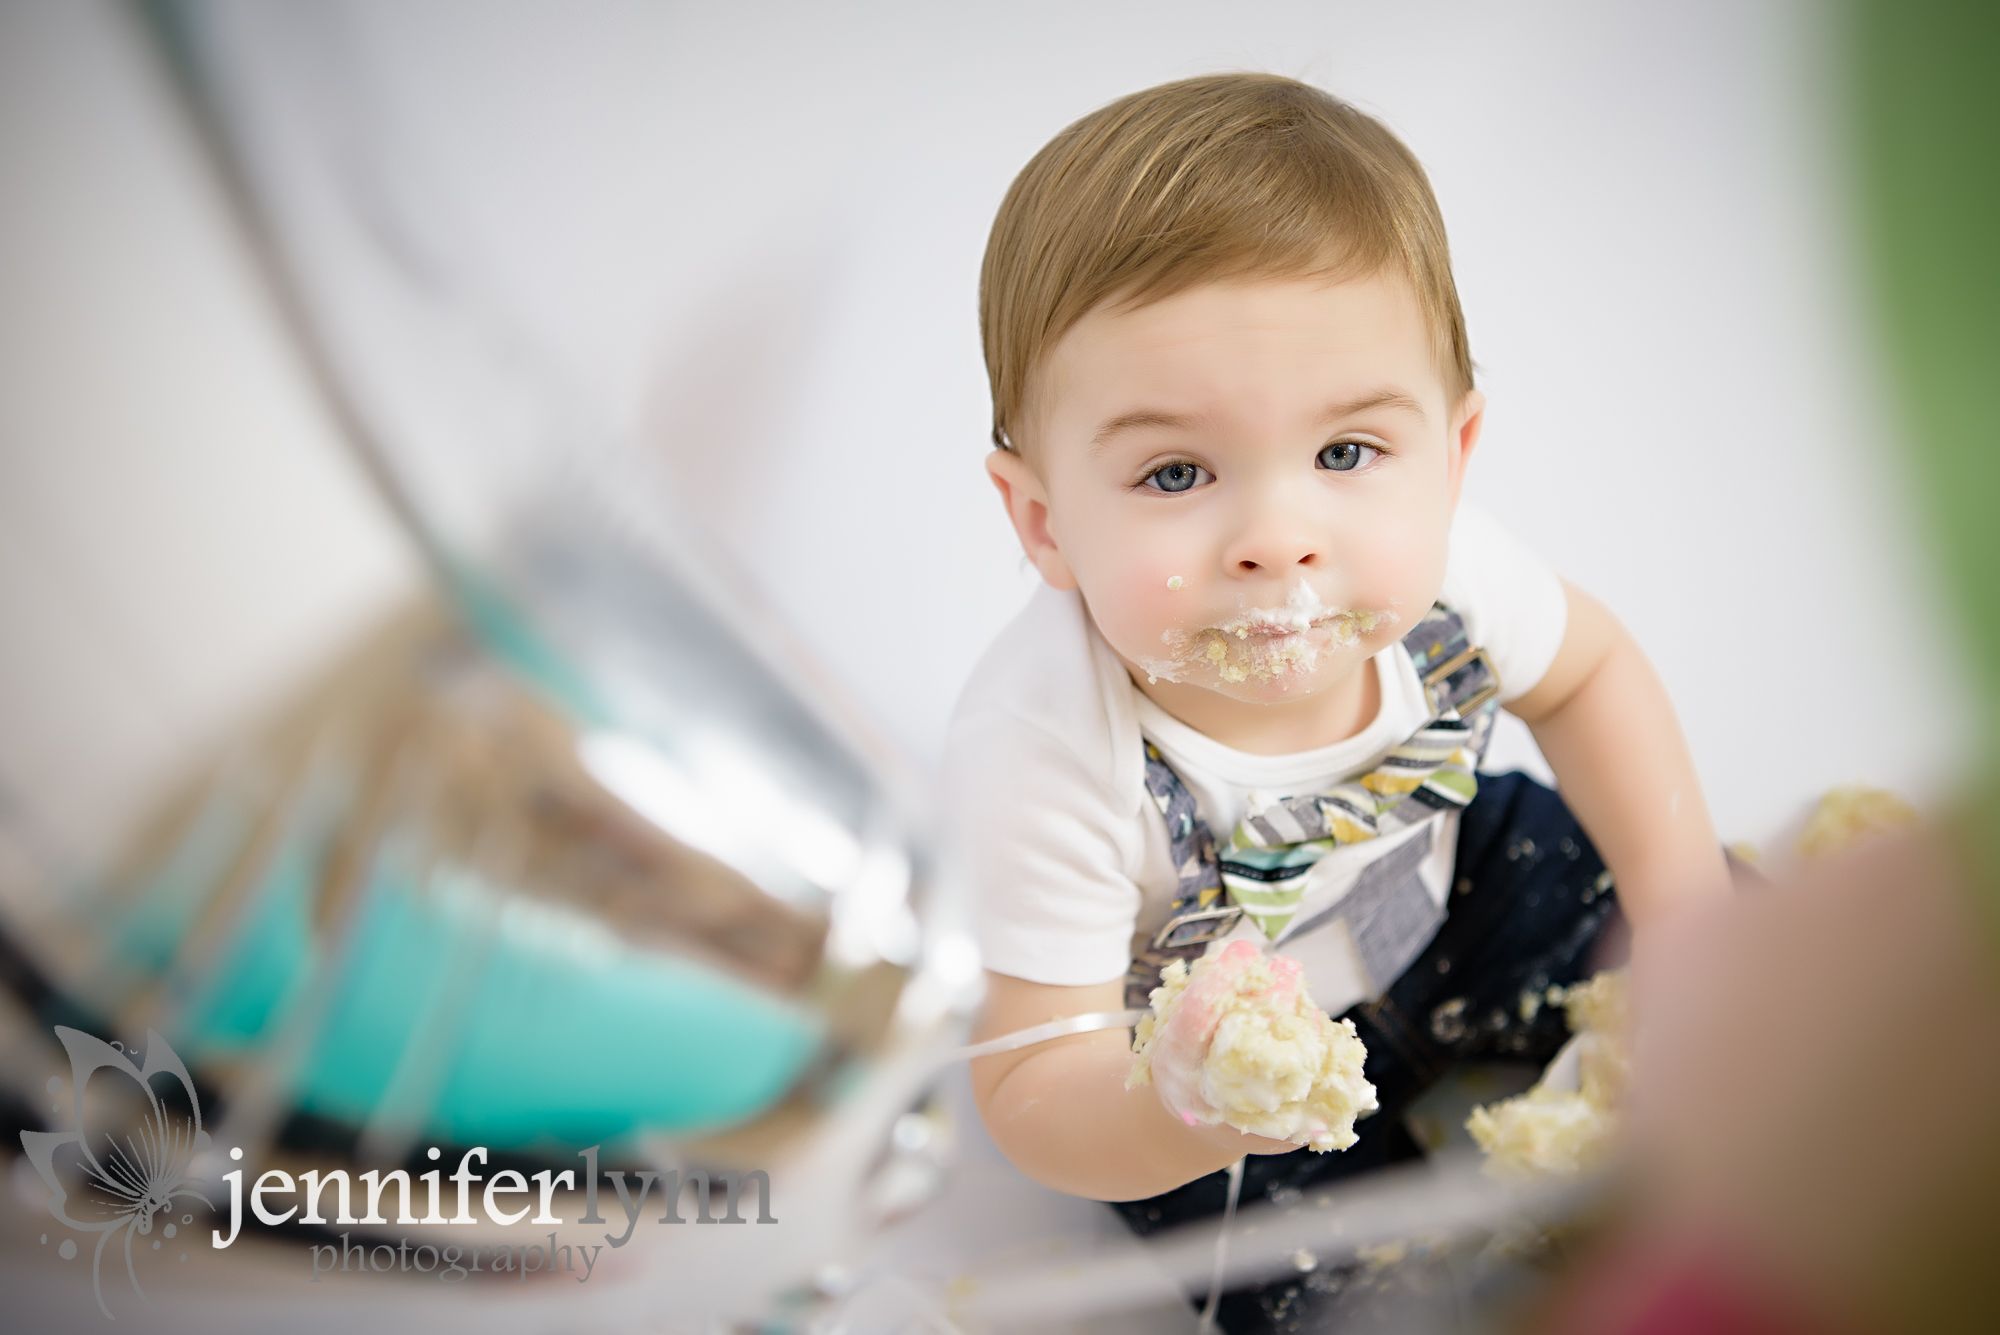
(136, 1132)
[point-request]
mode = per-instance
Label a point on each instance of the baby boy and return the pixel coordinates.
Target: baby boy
(1234, 405)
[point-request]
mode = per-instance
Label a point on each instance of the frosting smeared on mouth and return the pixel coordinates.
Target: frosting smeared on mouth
(1265, 643)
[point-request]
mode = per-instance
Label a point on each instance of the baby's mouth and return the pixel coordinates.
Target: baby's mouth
(1266, 644)
(1264, 622)
(1303, 611)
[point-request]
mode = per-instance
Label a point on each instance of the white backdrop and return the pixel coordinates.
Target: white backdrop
(749, 236)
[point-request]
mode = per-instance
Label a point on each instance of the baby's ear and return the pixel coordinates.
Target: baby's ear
(1466, 424)
(1027, 502)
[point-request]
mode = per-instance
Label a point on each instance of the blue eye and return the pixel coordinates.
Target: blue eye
(1178, 477)
(1344, 456)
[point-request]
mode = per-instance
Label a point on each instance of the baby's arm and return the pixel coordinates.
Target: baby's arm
(1603, 720)
(1061, 1112)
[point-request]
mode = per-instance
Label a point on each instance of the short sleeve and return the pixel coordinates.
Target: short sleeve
(1045, 853)
(1512, 601)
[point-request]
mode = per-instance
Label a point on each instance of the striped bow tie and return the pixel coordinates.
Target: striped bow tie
(1266, 861)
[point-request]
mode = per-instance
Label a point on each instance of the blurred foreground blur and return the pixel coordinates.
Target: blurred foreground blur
(557, 872)
(1813, 1144)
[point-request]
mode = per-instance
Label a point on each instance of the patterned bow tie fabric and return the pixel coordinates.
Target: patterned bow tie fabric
(1266, 861)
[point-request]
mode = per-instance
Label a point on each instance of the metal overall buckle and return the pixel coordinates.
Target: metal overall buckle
(1197, 928)
(1437, 682)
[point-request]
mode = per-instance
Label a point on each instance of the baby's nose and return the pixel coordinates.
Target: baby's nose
(1277, 543)
(1307, 559)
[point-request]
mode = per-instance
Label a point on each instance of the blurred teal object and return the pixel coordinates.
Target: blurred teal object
(566, 1033)
(453, 1001)
(266, 963)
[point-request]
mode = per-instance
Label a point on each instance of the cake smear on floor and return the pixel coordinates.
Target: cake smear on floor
(1567, 1124)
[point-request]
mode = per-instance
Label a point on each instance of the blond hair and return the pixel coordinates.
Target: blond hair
(1227, 176)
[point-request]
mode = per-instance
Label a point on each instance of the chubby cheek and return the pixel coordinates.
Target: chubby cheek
(1398, 570)
(1139, 594)
(1122, 562)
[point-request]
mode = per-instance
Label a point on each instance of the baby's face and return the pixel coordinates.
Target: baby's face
(1251, 483)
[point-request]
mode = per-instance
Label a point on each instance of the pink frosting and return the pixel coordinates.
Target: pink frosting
(1236, 958)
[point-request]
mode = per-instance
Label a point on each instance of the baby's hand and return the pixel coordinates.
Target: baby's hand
(1178, 1052)
(1236, 1040)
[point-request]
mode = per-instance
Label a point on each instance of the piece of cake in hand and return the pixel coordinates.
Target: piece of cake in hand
(1236, 1039)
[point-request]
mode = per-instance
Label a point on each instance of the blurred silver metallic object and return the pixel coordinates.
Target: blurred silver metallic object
(577, 855)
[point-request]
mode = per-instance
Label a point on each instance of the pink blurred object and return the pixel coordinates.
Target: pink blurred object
(1817, 1080)
(1648, 1291)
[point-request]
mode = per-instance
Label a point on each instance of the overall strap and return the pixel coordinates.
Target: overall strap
(1192, 848)
(1458, 677)
(1463, 688)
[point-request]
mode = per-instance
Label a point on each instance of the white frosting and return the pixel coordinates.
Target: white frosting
(1264, 643)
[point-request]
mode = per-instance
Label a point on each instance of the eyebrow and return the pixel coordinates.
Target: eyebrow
(1381, 398)
(1135, 421)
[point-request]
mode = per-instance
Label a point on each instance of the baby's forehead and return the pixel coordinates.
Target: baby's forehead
(1211, 344)
(1382, 304)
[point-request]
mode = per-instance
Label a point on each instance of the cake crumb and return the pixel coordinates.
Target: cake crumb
(1850, 814)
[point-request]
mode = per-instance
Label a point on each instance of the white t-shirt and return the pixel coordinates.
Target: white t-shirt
(1044, 780)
